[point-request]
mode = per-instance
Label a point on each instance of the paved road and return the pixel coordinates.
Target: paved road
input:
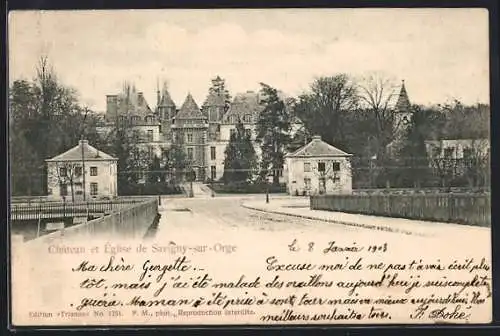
(226, 213)
(224, 217)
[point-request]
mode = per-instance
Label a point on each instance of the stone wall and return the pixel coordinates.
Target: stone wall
(131, 222)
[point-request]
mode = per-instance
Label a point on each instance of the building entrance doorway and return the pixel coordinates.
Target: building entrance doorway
(191, 175)
(201, 174)
(322, 185)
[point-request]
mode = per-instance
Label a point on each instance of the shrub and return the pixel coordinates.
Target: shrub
(247, 188)
(151, 189)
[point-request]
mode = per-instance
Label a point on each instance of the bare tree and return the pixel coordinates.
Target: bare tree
(475, 165)
(67, 172)
(324, 108)
(332, 170)
(377, 95)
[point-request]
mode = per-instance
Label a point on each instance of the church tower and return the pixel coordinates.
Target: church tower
(402, 113)
(401, 121)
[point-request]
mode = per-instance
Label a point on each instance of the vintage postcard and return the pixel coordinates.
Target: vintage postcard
(249, 167)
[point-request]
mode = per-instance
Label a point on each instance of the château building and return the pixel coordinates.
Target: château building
(203, 132)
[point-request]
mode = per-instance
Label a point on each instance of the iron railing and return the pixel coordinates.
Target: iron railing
(57, 209)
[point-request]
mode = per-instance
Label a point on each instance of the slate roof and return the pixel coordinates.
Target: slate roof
(134, 104)
(245, 103)
(317, 147)
(215, 100)
(190, 110)
(142, 106)
(166, 100)
(90, 153)
(403, 103)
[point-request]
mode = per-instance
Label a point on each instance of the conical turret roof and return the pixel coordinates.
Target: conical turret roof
(189, 109)
(166, 99)
(403, 103)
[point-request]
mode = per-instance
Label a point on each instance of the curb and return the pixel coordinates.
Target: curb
(363, 226)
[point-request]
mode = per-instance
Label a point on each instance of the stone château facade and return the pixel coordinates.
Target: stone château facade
(203, 132)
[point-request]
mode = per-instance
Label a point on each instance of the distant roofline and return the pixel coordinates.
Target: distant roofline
(455, 139)
(320, 155)
(98, 156)
(79, 160)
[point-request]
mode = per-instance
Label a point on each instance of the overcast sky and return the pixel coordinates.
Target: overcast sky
(441, 53)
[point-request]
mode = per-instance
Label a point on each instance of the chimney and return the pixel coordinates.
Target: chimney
(111, 106)
(140, 98)
(317, 137)
(158, 97)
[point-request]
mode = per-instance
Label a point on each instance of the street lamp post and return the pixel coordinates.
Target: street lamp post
(191, 193)
(83, 154)
(159, 191)
(267, 191)
(83, 169)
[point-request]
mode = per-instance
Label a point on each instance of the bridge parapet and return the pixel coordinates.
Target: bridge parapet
(22, 210)
(131, 221)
